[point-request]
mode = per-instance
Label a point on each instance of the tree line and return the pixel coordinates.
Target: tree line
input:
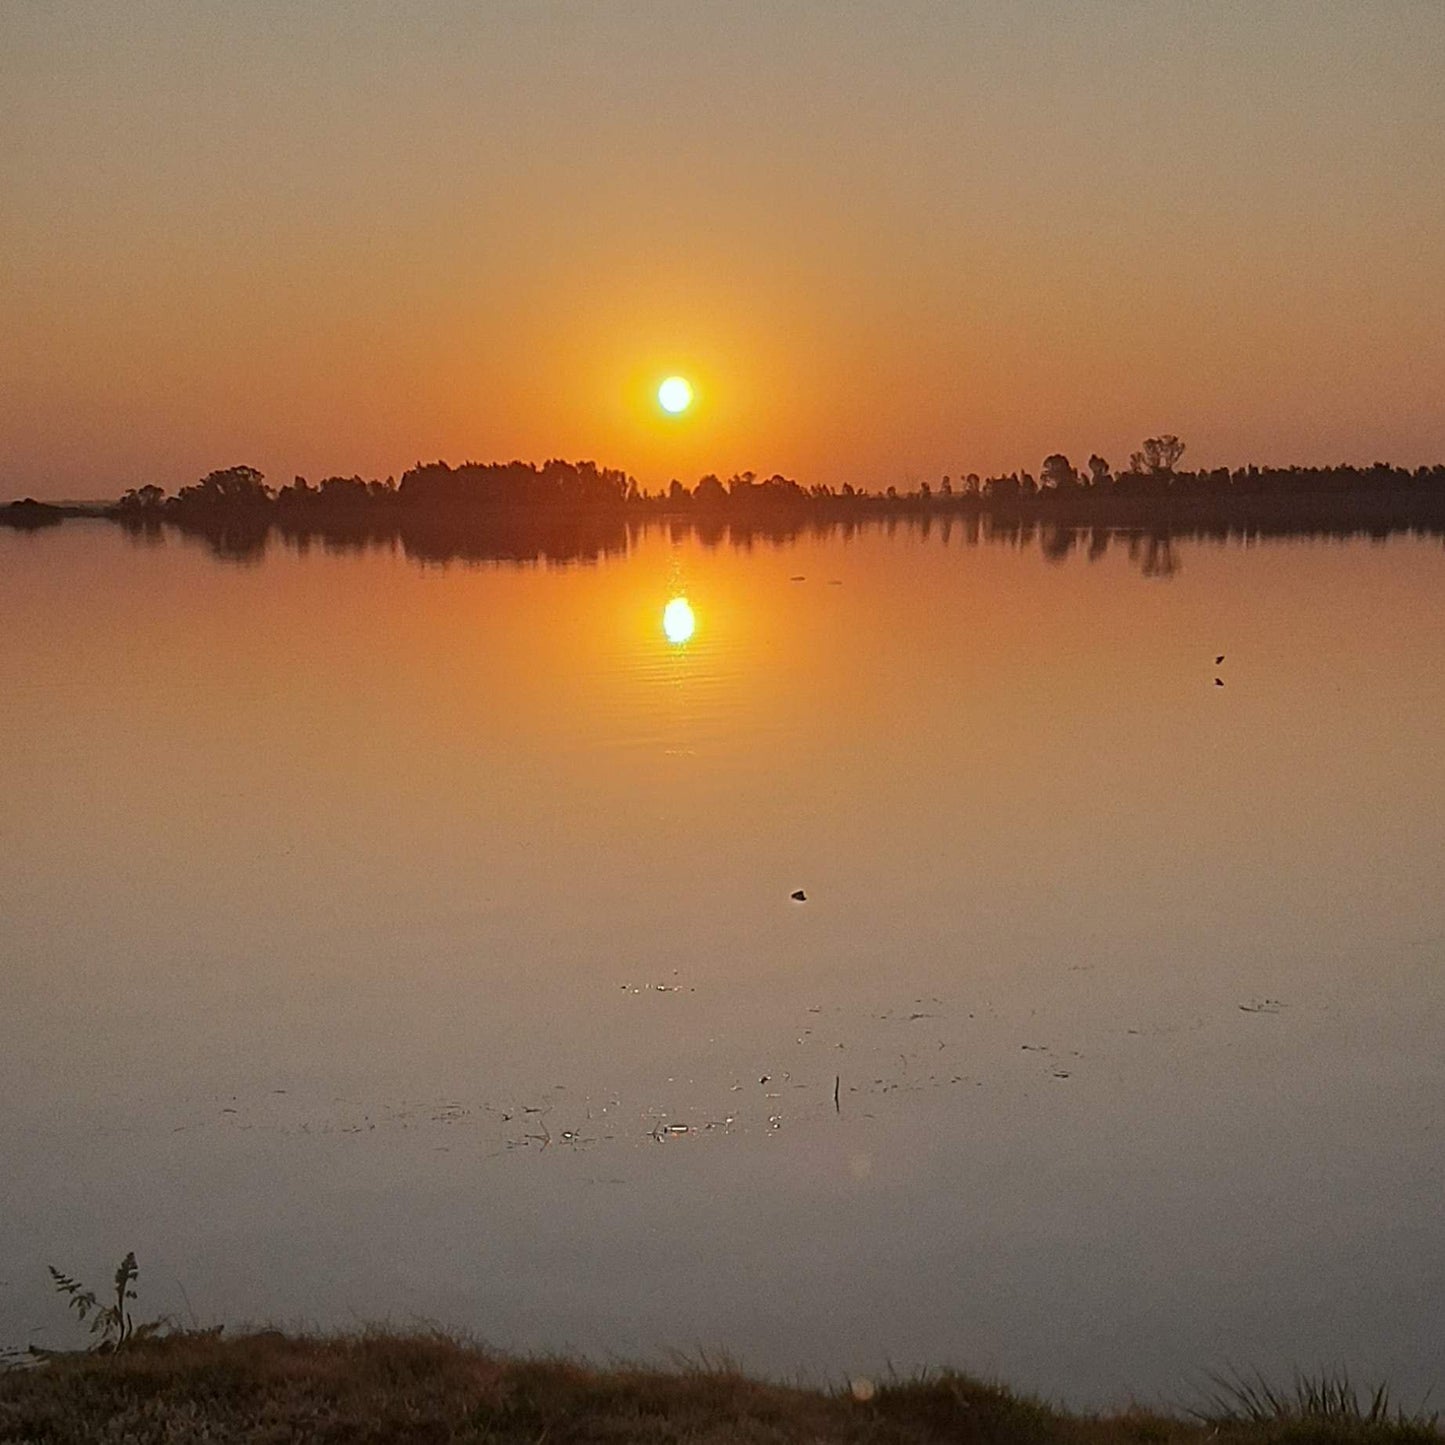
(556, 486)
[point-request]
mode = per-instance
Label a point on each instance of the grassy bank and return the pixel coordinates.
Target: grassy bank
(385, 1387)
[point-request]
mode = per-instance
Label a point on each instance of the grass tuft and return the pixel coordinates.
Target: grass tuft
(1328, 1405)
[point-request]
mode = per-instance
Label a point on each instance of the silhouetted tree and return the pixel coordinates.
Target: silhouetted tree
(149, 498)
(1058, 473)
(519, 485)
(232, 489)
(28, 515)
(781, 489)
(1162, 453)
(709, 491)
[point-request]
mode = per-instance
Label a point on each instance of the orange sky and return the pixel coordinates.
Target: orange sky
(885, 241)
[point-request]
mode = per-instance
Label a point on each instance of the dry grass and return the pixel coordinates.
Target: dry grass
(375, 1388)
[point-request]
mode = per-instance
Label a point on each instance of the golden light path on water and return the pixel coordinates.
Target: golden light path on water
(678, 621)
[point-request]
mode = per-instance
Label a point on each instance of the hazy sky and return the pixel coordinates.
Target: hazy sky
(886, 241)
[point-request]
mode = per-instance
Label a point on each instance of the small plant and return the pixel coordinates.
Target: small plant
(112, 1322)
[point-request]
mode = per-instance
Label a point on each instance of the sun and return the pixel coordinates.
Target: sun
(675, 394)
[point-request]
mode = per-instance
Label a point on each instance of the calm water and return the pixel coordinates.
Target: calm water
(389, 941)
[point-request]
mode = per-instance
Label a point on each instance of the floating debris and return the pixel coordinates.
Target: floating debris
(798, 896)
(1262, 1006)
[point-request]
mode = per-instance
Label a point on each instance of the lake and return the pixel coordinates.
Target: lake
(392, 939)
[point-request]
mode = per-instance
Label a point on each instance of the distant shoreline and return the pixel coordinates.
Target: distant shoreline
(510, 496)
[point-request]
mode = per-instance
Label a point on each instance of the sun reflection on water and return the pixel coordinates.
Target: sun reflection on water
(678, 621)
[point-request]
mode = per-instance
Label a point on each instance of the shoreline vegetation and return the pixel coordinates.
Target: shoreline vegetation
(562, 511)
(382, 1386)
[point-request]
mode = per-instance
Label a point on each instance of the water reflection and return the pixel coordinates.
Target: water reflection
(678, 622)
(566, 539)
(383, 890)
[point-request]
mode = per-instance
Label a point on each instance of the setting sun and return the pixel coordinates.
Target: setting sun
(675, 394)
(678, 622)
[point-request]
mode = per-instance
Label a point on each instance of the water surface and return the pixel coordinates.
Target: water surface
(382, 940)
